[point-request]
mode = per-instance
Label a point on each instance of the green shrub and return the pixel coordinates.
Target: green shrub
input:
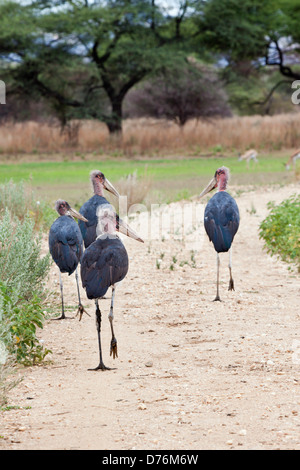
(22, 288)
(21, 264)
(20, 319)
(22, 279)
(281, 230)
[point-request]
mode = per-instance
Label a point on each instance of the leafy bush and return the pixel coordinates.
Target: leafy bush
(22, 288)
(20, 318)
(21, 266)
(281, 230)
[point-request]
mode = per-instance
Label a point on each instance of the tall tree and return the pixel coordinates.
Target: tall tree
(263, 31)
(193, 91)
(109, 46)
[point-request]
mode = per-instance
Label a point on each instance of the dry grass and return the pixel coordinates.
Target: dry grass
(136, 189)
(152, 137)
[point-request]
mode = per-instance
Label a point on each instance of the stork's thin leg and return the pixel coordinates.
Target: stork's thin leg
(62, 317)
(218, 269)
(101, 365)
(81, 310)
(231, 283)
(113, 343)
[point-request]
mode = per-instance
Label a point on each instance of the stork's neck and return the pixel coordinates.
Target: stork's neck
(62, 212)
(222, 183)
(98, 188)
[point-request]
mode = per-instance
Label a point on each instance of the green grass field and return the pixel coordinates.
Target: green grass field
(172, 179)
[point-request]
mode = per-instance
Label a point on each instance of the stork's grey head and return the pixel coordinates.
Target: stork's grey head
(222, 173)
(100, 182)
(64, 208)
(219, 180)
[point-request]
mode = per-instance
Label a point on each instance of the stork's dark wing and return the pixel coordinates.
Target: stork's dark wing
(65, 244)
(104, 263)
(221, 221)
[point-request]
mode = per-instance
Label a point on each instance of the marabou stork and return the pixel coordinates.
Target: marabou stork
(90, 208)
(103, 264)
(221, 219)
(66, 246)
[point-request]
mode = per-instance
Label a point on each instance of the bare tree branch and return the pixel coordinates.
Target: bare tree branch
(269, 95)
(284, 69)
(180, 17)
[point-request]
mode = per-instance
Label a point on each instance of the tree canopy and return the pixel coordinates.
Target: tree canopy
(180, 94)
(82, 57)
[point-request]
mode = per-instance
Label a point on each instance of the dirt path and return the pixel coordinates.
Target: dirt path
(191, 373)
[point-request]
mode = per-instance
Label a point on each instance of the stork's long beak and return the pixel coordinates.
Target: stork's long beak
(76, 214)
(109, 187)
(126, 230)
(211, 185)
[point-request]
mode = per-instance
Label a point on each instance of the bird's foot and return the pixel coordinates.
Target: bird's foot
(101, 366)
(113, 348)
(81, 310)
(217, 299)
(62, 317)
(231, 284)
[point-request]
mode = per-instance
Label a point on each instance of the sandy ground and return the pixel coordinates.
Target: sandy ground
(192, 374)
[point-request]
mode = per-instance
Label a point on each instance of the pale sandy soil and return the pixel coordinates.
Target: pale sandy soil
(191, 373)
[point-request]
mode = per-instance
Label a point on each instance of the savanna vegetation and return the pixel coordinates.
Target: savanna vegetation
(152, 138)
(156, 93)
(23, 271)
(107, 60)
(281, 230)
